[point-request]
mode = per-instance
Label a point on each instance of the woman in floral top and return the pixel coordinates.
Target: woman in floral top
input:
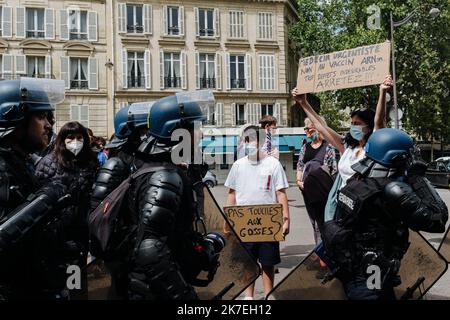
(316, 164)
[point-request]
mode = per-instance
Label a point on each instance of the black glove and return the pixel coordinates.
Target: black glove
(54, 190)
(401, 197)
(417, 168)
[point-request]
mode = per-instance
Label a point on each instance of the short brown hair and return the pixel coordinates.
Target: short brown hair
(267, 120)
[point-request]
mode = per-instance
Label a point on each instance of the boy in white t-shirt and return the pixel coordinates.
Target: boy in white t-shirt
(259, 179)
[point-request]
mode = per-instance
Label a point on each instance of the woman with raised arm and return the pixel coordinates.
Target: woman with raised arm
(363, 122)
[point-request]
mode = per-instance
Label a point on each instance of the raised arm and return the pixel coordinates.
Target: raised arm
(329, 134)
(380, 115)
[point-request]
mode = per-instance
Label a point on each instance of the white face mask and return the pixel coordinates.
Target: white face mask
(75, 146)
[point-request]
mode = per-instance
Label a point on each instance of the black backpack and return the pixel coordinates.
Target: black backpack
(111, 232)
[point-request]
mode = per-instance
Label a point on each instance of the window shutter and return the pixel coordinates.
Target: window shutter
(219, 114)
(64, 70)
(74, 113)
(164, 21)
(197, 22)
(216, 23)
(257, 110)
(247, 112)
(233, 114)
(20, 65)
(197, 70)
(181, 20)
(274, 73)
(218, 71)
(277, 112)
(124, 68)
(248, 71)
(244, 25)
(48, 66)
(148, 19)
(20, 22)
(161, 69)
(64, 26)
(6, 22)
(122, 10)
(183, 71)
(148, 70)
(227, 71)
(92, 26)
(7, 66)
(49, 23)
(260, 72)
(93, 73)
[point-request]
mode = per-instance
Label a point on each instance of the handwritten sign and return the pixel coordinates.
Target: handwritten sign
(358, 67)
(257, 223)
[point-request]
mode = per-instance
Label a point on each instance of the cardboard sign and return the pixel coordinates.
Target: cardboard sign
(358, 67)
(257, 223)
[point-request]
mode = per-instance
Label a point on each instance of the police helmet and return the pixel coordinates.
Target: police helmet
(18, 98)
(167, 115)
(127, 120)
(389, 147)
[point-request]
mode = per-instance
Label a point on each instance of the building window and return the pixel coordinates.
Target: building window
(240, 114)
(265, 25)
(35, 23)
(266, 72)
(80, 114)
(207, 71)
(136, 73)
(36, 67)
(172, 76)
(78, 73)
(1, 21)
(206, 22)
(173, 23)
(78, 25)
(134, 19)
(211, 116)
(266, 109)
(237, 71)
(236, 24)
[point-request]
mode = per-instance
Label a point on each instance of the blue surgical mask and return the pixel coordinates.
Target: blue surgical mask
(250, 149)
(357, 132)
(312, 138)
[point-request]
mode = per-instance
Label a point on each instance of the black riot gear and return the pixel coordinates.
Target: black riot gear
(384, 199)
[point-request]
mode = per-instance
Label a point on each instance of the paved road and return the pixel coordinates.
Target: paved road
(300, 241)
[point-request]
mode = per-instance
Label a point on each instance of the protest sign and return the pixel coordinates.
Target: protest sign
(358, 67)
(257, 223)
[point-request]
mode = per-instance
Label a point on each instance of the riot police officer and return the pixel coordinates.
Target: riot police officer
(27, 266)
(130, 127)
(387, 195)
(169, 253)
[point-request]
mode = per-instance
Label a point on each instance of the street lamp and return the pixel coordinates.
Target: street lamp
(433, 13)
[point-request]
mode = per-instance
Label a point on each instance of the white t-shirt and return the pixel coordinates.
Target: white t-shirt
(349, 158)
(256, 183)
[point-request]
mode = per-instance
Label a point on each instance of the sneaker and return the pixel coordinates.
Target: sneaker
(248, 298)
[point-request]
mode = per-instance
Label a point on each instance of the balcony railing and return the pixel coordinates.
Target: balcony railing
(39, 75)
(238, 83)
(135, 28)
(79, 84)
(240, 122)
(210, 122)
(206, 32)
(174, 30)
(76, 35)
(172, 82)
(10, 76)
(136, 81)
(208, 83)
(35, 34)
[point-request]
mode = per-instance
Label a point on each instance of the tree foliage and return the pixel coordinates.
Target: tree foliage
(422, 56)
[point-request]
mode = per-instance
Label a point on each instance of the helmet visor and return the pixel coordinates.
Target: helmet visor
(43, 91)
(204, 98)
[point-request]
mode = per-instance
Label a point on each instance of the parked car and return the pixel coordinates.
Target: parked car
(210, 179)
(438, 172)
